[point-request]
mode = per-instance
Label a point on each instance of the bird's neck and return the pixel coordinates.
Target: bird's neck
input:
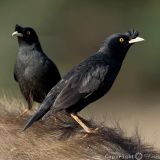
(30, 46)
(112, 54)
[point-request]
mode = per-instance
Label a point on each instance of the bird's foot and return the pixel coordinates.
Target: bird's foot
(25, 112)
(91, 131)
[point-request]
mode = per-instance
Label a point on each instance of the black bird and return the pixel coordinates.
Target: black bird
(35, 73)
(88, 81)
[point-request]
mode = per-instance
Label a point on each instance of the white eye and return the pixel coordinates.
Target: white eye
(121, 40)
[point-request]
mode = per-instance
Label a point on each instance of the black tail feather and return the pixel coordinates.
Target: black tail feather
(44, 108)
(37, 116)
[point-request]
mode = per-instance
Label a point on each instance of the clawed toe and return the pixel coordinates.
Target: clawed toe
(91, 131)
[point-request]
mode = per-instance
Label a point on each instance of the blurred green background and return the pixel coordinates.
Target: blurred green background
(71, 30)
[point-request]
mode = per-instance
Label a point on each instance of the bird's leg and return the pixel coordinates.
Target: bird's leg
(29, 101)
(26, 111)
(79, 121)
(82, 119)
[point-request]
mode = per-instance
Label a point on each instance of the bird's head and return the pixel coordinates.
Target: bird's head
(118, 44)
(25, 34)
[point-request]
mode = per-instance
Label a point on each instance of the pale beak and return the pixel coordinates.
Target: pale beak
(17, 34)
(137, 39)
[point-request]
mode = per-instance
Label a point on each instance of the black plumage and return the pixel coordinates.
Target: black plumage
(35, 73)
(88, 81)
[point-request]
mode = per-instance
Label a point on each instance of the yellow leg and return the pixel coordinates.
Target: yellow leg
(82, 119)
(78, 120)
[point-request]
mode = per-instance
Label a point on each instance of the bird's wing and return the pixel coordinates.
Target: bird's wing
(15, 77)
(80, 86)
(52, 69)
(15, 73)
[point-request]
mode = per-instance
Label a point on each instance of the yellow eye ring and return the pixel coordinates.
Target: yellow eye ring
(28, 32)
(121, 40)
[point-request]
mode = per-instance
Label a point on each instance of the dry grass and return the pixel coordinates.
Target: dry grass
(57, 140)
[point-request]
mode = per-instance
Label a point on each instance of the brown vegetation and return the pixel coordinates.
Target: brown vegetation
(54, 139)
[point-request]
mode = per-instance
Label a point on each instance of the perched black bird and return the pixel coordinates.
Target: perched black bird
(89, 80)
(35, 73)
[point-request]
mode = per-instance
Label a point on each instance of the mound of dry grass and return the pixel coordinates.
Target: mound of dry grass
(64, 139)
